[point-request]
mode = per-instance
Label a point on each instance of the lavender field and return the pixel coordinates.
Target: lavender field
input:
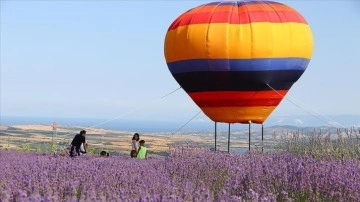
(187, 174)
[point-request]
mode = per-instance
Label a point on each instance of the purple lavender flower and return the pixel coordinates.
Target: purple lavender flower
(189, 173)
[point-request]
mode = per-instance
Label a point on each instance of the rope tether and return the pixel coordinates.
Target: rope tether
(128, 112)
(316, 114)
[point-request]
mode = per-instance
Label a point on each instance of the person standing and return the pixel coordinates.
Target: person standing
(135, 145)
(142, 153)
(76, 144)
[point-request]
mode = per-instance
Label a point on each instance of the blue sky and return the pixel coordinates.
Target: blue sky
(105, 59)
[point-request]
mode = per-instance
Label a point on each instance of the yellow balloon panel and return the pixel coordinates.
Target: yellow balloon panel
(239, 41)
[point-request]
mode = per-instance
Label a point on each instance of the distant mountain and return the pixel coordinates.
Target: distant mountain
(337, 121)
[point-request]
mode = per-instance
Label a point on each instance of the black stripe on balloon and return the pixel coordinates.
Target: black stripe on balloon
(237, 81)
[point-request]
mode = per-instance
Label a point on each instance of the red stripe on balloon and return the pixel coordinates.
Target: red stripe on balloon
(238, 18)
(238, 99)
(238, 103)
(238, 94)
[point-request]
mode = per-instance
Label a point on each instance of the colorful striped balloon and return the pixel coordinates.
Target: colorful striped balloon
(226, 54)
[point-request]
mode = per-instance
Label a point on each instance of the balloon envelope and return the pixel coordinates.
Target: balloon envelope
(226, 54)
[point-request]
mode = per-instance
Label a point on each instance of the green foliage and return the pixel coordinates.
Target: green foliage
(37, 148)
(92, 150)
(78, 191)
(343, 144)
(26, 147)
(52, 146)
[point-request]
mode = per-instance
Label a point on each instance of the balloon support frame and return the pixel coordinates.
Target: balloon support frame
(262, 137)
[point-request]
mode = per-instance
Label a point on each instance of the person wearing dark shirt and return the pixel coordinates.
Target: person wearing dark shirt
(76, 144)
(104, 154)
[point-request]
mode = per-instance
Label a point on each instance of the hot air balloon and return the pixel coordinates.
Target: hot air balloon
(238, 59)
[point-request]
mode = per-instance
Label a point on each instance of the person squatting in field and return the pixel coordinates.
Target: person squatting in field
(75, 147)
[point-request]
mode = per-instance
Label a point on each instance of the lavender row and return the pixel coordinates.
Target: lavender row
(188, 174)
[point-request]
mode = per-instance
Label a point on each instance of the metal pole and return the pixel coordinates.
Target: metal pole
(262, 138)
(249, 133)
(215, 134)
(229, 140)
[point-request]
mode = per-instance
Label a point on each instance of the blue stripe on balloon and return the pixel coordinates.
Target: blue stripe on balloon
(232, 65)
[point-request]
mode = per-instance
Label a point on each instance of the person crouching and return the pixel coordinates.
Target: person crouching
(76, 143)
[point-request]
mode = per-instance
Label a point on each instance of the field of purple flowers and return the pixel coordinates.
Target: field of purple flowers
(187, 174)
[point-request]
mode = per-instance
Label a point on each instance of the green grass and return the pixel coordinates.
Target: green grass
(342, 144)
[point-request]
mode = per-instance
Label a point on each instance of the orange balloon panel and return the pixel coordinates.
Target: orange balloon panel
(234, 114)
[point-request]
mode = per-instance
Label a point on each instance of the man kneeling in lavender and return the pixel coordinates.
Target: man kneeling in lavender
(76, 144)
